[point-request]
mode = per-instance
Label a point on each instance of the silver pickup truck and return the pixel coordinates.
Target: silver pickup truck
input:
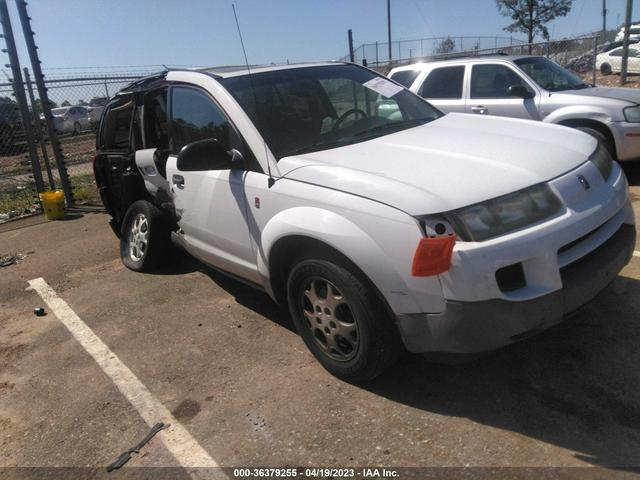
(532, 88)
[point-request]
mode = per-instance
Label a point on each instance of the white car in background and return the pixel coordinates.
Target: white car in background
(611, 61)
(446, 233)
(634, 33)
(533, 88)
(95, 109)
(70, 119)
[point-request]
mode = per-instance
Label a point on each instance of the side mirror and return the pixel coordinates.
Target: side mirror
(520, 91)
(207, 154)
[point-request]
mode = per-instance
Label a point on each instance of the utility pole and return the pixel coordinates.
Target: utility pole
(389, 27)
(604, 19)
(351, 54)
(38, 77)
(21, 98)
(625, 48)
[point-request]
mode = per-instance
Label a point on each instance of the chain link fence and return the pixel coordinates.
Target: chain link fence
(577, 54)
(376, 54)
(77, 104)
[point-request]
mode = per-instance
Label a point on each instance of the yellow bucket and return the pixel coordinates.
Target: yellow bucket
(53, 204)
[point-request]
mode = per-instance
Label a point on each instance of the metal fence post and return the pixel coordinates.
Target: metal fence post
(44, 99)
(18, 88)
(595, 53)
(38, 128)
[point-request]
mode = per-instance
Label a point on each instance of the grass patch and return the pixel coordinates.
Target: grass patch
(18, 201)
(22, 201)
(84, 188)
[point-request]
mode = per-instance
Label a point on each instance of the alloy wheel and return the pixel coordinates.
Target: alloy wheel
(330, 318)
(138, 237)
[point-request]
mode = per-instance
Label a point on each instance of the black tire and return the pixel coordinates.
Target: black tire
(76, 128)
(601, 137)
(377, 343)
(605, 69)
(158, 237)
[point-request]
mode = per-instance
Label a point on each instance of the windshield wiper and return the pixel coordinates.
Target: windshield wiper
(393, 125)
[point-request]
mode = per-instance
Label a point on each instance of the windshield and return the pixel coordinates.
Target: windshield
(306, 109)
(549, 75)
(59, 111)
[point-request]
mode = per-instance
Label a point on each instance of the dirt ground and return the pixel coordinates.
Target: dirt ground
(229, 366)
(76, 149)
(633, 81)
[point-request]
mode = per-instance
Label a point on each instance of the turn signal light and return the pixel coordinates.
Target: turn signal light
(433, 256)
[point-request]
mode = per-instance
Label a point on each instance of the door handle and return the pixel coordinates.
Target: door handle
(481, 109)
(178, 181)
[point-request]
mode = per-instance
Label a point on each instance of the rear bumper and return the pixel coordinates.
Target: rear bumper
(472, 327)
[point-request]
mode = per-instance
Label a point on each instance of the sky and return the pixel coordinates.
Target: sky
(80, 35)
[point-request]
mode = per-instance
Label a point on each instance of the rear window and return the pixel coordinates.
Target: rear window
(405, 77)
(116, 127)
(443, 82)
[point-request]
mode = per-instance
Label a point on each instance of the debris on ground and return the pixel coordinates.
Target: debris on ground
(39, 312)
(7, 260)
(126, 455)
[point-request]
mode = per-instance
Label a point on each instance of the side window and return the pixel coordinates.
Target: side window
(616, 53)
(194, 116)
(445, 82)
(405, 77)
(493, 81)
(116, 127)
(156, 126)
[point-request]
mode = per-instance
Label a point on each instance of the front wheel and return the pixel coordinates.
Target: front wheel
(341, 320)
(605, 69)
(145, 238)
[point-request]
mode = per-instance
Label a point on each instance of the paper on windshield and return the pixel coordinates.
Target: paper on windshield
(383, 86)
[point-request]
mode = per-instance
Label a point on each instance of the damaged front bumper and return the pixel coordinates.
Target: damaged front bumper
(473, 327)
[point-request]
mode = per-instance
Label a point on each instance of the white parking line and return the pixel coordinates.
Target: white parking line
(186, 449)
(636, 253)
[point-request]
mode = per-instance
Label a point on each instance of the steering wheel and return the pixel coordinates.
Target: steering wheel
(343, 117)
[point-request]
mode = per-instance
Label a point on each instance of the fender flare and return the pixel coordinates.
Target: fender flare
(344, 236)
(579, 112)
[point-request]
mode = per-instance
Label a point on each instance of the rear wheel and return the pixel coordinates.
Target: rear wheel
(605, 69)
(145, 240)
(76, 128)
(341, 320)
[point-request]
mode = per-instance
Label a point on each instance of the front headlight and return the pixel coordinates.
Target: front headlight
(505, 214)
(632, 114)
(603, 161)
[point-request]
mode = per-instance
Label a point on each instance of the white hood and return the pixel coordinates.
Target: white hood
(452, 162)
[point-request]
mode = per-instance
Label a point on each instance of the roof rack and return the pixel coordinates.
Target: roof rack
(448, 56)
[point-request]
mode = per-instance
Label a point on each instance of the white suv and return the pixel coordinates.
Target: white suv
(529, 87)
(454, 233)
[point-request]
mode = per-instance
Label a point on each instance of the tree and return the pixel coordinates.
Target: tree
(66, 103)
(445, 46)
(531, 16)
(82, 103)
